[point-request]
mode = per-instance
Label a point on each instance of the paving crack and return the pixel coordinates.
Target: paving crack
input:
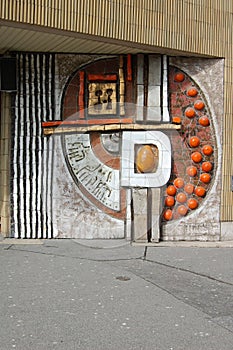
(199, 274)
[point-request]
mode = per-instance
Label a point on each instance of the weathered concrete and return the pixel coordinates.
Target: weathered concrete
(79, 294)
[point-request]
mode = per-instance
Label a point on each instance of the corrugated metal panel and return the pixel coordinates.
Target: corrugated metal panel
(32, 155)
(129, 20)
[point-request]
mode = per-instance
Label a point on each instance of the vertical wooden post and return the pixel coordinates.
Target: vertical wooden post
(81, 95)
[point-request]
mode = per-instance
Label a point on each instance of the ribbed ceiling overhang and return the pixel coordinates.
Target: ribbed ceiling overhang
(24, 37)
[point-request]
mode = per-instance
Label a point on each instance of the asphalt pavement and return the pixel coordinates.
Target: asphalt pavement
(111, 295)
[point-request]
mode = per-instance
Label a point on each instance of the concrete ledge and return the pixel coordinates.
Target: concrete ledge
(10, 241)
(115, 243)
(186, 244)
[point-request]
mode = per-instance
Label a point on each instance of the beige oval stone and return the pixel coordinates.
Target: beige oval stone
(147, 159)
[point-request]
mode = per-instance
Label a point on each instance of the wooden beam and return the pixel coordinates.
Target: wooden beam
(66, 128)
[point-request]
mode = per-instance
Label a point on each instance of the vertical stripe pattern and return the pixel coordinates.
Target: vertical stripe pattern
(32, 170)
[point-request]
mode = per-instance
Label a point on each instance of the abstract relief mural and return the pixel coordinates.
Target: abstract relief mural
(116, 146)
(194, 147)
(94, 96)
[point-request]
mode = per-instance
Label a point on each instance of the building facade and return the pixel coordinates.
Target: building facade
(119, 124)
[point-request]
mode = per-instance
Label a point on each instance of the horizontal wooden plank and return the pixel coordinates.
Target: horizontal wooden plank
(72, 128)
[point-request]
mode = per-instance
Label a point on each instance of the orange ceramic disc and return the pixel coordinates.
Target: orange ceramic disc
(205, 177)
(182, 210)
(196, 157)
(190, 113)
(167, 214)
(204, 121)
(200, 191)
(171, 190)
(179, 77)
(169, 201)
(176, 120)
(192, 203)
(192, 92)
(181, 197)
(191, 171)
(194, 141)
(206, 166)
(189, 188)
(199, 105)
(179, 182)
(207, 150)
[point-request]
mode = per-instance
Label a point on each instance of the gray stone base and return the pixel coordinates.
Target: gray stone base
(227, 231)
(188, 231)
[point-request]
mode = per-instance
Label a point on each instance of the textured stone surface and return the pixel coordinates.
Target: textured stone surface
(140, 214)
(73, 215)
(68, 64)
(203, 223)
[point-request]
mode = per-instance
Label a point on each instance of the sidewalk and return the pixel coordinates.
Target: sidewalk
(103, 295)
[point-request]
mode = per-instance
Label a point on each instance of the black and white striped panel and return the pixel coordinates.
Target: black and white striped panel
(32, 168)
